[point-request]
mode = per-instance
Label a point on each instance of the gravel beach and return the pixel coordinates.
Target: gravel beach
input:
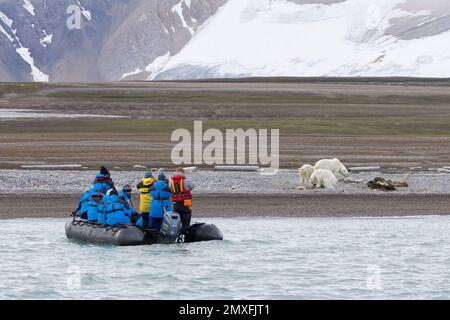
(48, 193)
(206, 182)
(234, 205)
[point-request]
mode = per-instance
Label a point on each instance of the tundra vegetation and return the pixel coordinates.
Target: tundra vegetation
(363, 122)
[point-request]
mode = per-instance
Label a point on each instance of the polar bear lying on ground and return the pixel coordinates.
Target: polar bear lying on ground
(305, 173)
(334, 165)
(322, 178)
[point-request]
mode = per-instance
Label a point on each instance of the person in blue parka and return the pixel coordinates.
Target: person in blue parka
(101, 184)
(95, 207)
(103, 181)
(116, 211)
(83, 204)
(126, 198)
(161, 203)
(125, 194)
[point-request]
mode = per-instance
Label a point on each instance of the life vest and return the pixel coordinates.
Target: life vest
(179, 191)
(84, 201)
(101, 215)
(93, 210)
(116, 213)
(115, 207)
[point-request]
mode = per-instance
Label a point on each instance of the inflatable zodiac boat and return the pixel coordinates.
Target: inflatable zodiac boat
(119, 235)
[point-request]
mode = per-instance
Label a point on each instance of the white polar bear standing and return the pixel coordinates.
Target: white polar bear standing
(305, 173)
(334, 165)
(322, 178)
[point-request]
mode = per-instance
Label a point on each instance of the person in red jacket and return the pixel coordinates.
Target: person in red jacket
(181, 189)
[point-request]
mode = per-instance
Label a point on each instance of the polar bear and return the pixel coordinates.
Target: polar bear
(334, 165)
(322, 178)
(305, 173)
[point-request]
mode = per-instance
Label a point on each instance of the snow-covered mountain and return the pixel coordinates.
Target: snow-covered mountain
(191, 39)
(319, 38)
(116, 38)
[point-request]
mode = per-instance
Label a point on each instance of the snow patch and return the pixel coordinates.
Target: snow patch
(86, 13)
(28, 6)
(178, 9)
(23, 52)
(131, 73)
(9, 114)
(38, 75)
(47, 39)
(2, 30)
(6, 20)
(157, 64)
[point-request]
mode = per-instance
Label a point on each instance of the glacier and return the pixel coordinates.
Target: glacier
(297, 38)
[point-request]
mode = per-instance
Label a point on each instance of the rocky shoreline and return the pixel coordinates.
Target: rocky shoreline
(213, 182)
(55, 193)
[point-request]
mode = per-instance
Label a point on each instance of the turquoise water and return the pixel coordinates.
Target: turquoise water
(286, 258)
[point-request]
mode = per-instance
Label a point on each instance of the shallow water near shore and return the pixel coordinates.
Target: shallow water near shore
(260, 258)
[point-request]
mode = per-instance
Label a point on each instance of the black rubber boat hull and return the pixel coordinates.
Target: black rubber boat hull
(203, 232)
(133, 236)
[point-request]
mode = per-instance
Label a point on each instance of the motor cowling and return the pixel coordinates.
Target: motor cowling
(171, 225)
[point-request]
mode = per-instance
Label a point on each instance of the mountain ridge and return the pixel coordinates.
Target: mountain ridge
(115, 36)
(195, 39)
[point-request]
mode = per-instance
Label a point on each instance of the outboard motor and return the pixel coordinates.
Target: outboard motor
(171, 225)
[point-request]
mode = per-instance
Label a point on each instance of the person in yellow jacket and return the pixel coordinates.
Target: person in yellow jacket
(144, 187)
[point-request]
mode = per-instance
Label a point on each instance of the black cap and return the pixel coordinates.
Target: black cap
(104, 171)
